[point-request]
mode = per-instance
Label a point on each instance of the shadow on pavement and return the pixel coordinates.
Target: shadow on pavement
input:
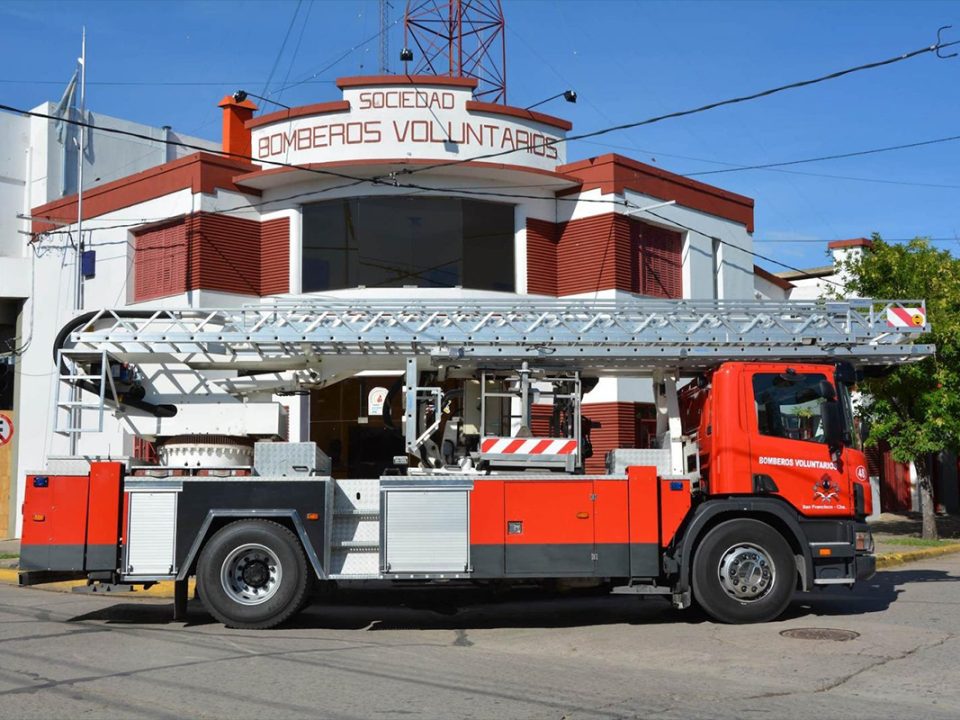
(874, 595)
(473, 609)
(433, 609)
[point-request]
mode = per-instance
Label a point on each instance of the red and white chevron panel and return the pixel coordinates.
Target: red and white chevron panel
(906, 317)
(528, 446)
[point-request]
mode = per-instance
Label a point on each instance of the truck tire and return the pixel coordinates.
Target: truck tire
(252, 574)
(744, 572)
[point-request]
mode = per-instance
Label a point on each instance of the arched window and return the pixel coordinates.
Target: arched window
(408, 241)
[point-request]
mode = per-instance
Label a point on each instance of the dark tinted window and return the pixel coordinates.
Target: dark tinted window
(788, 405)
(392, 242)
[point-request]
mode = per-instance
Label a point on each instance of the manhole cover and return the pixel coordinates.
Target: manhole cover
(820, 634)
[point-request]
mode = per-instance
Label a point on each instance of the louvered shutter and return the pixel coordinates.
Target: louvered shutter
(160, 262)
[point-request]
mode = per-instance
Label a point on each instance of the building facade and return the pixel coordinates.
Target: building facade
(40, 163)
(405, 187)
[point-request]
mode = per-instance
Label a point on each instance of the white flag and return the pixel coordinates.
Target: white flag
(66, 106)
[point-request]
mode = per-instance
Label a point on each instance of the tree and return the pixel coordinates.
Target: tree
(916, 407)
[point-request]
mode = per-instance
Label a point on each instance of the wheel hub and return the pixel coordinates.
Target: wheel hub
(251, 574)
(256, 574)
(746, 572)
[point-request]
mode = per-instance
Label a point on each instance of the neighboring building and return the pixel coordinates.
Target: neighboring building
(38, 164)
(897, 482)
(210, 231)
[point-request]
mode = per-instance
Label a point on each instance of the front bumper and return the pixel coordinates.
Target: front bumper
(865, 561)
(865, 566)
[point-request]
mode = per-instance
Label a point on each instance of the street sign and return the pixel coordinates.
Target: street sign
(6, 429)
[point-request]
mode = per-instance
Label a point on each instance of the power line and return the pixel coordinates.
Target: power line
(283, 46)
(296, 49)
(158, 83)
(886, 240)
(307, 168)
(735, 246)
(339, 59)
(372, 180)
(831, 176)
(837, 156)
(189, 146)
(694, 111)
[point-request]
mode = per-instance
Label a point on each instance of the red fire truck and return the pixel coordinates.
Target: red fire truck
(754, 486)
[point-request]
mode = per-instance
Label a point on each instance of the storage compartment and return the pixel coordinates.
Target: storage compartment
(284, 459)
(151, 533)
(426, 529)
(54, 522)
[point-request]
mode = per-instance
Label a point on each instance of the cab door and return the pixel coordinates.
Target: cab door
(789, 454)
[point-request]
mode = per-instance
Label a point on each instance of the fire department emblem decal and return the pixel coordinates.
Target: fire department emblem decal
(825, 490)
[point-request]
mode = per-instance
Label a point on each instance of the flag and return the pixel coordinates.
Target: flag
(66, 106)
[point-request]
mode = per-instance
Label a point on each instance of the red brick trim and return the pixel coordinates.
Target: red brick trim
(854, 242)
(316, 109)
(771, 278)
(200, 173)
(372, 80)
(614, 173)
(260, 172)
(495, 109)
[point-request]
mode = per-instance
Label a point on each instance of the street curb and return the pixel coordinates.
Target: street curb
(163, 589)
(892, 559)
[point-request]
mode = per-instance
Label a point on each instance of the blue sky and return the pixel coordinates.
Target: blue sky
(626, 60)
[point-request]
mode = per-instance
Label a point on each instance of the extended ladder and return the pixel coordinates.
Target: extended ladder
(582, 334)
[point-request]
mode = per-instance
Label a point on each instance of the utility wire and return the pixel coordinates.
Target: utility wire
(151, 83)
(735, 246)
(838, 156)
(693, 111)
(296, 49)
(339, 59)
(283, 46)
(832, 176)
(190, 146)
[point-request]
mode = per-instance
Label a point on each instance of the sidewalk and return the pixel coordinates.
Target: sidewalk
(9, 547)
(897, 532)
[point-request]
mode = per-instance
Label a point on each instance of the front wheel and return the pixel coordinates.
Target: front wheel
(744, 572)
(252, 574)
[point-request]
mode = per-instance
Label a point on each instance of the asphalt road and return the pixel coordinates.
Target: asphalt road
(68, 656)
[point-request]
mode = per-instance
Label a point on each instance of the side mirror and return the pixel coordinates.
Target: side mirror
(847, 374)
(826, 391)
(832, 421)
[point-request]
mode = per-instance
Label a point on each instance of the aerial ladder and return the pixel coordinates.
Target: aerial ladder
(755, 472)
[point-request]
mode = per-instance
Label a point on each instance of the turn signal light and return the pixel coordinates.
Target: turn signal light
(39, 518)
(313, 516)
(825, 552)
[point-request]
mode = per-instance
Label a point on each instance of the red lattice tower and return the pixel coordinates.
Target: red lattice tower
(460, 38)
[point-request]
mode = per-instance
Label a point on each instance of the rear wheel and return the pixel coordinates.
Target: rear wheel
(252, 574)
(744, 572)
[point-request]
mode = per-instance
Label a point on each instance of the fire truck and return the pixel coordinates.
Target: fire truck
(754, 485)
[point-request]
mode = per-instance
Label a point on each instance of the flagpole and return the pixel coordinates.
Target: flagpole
(78, 295)
(76, 415)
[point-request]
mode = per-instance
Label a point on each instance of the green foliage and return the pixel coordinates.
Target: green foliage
(916, 408)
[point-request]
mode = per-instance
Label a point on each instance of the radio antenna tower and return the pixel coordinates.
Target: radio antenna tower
(460, 38)
(385, 37)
